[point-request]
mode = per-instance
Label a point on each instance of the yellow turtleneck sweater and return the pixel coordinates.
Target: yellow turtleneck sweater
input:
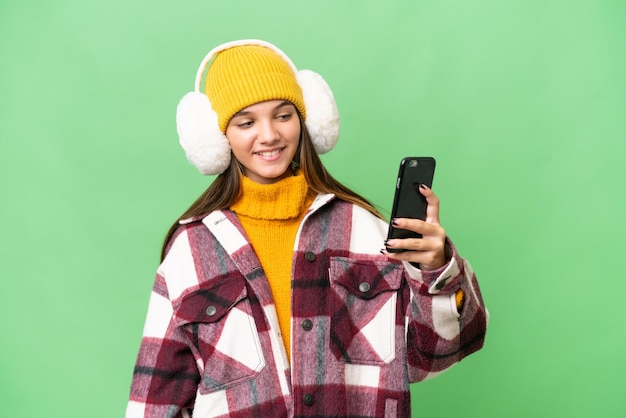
(270, 214)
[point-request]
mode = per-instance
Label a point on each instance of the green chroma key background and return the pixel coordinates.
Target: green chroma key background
(523, 103)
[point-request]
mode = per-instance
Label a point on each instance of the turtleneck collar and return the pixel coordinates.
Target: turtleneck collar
(285, 199)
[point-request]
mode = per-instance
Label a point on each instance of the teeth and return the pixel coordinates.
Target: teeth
(269, 153)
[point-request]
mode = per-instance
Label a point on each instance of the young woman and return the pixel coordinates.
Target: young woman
(274, 297)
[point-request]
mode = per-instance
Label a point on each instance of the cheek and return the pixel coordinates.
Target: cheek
(237, 141)
(294, 133)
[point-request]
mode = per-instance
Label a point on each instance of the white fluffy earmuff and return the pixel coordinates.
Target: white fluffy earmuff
(206, 145)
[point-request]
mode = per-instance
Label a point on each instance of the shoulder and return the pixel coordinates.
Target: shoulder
(193, 219)
(355, 218)
(361, 216)
(188, 227)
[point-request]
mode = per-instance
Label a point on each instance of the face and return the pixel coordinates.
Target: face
(264, 138)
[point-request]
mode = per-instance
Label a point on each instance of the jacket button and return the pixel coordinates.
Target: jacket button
(211, 310)
(307, 325)
(364, 287)
(308, 399)
(309, 256)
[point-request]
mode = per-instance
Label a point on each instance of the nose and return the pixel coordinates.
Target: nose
(268, 132)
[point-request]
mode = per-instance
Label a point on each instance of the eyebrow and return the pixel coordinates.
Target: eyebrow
(247, 112)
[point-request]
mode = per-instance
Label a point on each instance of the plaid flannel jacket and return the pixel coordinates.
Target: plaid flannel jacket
(363, 326)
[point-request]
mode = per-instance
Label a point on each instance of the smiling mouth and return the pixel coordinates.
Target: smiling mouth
(269, 153)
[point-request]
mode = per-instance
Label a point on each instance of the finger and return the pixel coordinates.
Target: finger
(432, 211)
(430, 260)
(425, 228)
(415, 244)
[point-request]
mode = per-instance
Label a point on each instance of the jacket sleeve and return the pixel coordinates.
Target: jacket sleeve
(438, 335)
(165, 378)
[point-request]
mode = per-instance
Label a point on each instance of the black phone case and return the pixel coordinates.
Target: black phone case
(408, 202)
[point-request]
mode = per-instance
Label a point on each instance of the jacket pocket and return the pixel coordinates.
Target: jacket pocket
(217, 319)
(363, 309)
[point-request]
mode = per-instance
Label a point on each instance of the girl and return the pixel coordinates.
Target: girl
(273, 297)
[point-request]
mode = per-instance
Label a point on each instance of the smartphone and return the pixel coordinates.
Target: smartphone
(408, 202)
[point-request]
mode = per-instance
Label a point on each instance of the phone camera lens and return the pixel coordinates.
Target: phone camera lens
(412, 163)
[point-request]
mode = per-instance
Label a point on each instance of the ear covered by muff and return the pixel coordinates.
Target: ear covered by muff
(207, 147)
(322, 115)
(200, 136)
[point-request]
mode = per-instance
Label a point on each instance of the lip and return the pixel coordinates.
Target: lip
(270, 154)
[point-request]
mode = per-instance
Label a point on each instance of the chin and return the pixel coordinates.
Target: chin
(276, 177)
(276, 172)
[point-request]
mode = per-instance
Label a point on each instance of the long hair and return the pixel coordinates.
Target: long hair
(226, 188)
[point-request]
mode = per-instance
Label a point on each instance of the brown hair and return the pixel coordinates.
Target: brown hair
(226, 188)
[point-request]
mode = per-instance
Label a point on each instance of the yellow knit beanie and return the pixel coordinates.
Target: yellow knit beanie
(245, 75)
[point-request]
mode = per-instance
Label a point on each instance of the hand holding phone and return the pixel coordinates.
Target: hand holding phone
(408, 202)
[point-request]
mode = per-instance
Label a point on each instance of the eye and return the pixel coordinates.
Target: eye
(244, 124)
(284, 116)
